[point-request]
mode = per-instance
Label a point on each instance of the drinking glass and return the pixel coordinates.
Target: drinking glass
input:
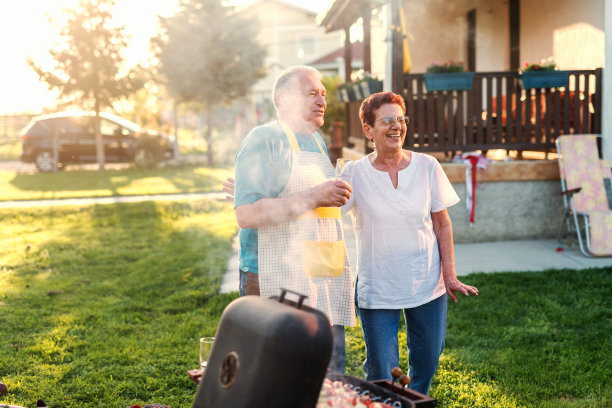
(205, 347)
(344, 169)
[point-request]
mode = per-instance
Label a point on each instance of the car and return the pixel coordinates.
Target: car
(74, 135)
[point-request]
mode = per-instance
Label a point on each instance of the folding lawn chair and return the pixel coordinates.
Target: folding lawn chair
(583, 178)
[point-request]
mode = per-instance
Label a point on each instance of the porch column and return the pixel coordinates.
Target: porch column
(348, 69)
(348, 56)
(606, 119)
(367, 40)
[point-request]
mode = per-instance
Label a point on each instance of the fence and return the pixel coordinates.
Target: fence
(497, 113)
(11, 126)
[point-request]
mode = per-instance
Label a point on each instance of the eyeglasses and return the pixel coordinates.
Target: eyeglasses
(387, 120)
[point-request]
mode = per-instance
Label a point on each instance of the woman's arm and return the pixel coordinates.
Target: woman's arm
(444, 234)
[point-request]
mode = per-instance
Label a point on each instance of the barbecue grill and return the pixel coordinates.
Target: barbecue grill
(274, 353)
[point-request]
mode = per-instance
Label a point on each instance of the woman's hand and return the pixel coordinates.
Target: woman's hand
(455, 285)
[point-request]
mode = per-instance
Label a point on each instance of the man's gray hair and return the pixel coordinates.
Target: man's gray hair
(285, 77)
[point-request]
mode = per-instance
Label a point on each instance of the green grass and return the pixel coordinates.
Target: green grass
(528, 340)
(82, 183)
(103, 306)
(10, 151)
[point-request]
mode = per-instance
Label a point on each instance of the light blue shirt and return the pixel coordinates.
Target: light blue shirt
(263, 167)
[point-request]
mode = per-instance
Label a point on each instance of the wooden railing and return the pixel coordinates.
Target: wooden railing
(497, 113)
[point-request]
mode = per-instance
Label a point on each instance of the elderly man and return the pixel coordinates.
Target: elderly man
(287, 204)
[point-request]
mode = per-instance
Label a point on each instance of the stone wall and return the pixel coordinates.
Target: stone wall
(518, 200)
(509, 210)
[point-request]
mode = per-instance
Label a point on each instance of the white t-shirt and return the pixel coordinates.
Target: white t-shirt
(398, 262)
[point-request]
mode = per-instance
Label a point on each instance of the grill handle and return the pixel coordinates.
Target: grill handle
(299, 295)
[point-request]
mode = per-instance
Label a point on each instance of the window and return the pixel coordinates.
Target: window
(306, 47)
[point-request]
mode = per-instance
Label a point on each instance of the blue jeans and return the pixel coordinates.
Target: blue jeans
(425, 334)
(243, 283)
(338, 357)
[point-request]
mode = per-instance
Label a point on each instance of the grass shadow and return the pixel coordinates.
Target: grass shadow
(81, 183)
(106, 306)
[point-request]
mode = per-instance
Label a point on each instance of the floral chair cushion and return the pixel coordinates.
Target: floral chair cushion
(581, 168)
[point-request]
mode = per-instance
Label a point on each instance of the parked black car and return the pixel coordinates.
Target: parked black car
(124, 141)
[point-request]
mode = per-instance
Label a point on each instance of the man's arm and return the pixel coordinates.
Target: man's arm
(270, 211)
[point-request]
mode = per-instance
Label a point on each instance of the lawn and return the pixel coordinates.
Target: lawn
(83, 183)
(103, 306)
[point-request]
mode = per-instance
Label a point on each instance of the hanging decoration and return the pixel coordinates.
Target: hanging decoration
(475, 162)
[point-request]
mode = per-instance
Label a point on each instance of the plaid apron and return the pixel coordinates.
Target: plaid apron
(307, 254)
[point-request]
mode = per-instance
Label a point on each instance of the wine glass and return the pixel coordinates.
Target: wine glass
(344, 169)
(206, 344)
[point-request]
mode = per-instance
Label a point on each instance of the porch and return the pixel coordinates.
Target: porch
(497, 113)
(515, 199)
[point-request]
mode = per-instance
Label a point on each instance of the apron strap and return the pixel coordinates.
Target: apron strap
(322, 212)
(293, 140)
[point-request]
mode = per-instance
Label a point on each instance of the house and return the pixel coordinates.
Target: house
(332, 64)
(520, 199)
(291, 37)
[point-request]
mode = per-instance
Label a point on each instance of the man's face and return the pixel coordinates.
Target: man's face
(303, 102)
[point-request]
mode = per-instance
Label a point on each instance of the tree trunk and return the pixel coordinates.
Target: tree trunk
(209, 149)
(176, 127)
(99, 142)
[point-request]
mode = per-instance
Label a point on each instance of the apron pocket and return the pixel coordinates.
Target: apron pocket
(323, 259)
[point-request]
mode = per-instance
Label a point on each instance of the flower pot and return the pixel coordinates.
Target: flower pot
(346, 94)
(449, 81)
(358, 93)
(544, 79)
(369, 87)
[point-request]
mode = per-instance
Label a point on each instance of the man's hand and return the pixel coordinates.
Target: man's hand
(228, 188)
(332, 193)
(455, 285)
(271, 211)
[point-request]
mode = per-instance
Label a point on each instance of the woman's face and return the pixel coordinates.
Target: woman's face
(387, 133)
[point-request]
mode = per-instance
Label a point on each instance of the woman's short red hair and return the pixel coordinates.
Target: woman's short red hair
(367, 111)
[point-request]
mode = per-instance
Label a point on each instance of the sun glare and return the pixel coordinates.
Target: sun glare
(26, 31)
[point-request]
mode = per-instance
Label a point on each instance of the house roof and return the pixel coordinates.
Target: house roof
(283, 3)
(342, 13)
(356, 53)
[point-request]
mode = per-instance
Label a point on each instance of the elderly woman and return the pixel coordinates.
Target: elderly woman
(404, 246)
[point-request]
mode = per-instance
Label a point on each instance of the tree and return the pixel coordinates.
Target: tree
(208, 55)
(88, 63)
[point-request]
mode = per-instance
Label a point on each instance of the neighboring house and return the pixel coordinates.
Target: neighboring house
(495, 38)
(291, 37)
(333, 63)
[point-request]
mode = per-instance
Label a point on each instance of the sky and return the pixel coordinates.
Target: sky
(25, 31)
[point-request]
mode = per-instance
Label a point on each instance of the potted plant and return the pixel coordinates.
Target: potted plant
(543, 75)
(366, 85)
(447, 77)
(346, 92)
(362, 86)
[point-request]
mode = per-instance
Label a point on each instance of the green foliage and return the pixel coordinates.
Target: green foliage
(82, 183)
(335, 111)
(89, 63)
(447, 67)
(150, 151)
(543, 65)
(208, 55)
(11, 150)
